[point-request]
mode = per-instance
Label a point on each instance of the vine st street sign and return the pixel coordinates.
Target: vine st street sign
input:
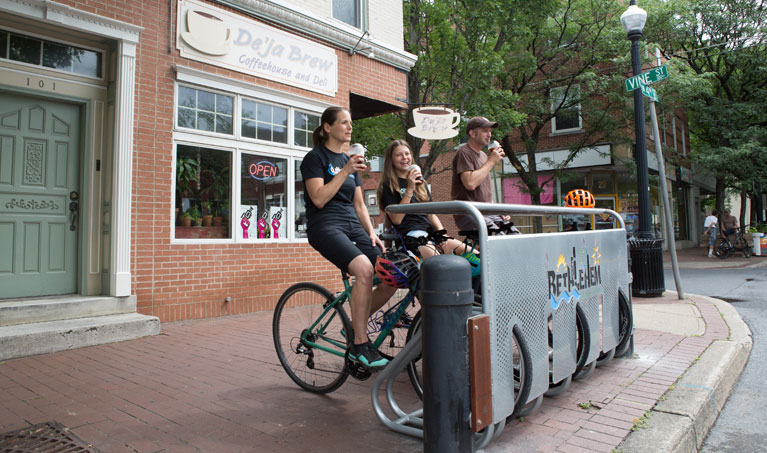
(647, 78)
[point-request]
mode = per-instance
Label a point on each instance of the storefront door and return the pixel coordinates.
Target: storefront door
(604, 222)
(39, 181)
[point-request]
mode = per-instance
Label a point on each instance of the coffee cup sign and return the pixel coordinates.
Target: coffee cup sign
(207, 33)
(434, 122)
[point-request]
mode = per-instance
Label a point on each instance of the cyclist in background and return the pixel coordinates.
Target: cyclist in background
(402, 183)
(339, 227)
(710, 229)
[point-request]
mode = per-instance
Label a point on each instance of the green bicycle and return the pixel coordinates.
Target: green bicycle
(312, 331)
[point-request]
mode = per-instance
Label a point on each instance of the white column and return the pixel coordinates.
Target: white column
(122, 172)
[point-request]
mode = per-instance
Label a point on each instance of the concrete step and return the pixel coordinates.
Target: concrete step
(22, 340)
(32, 310)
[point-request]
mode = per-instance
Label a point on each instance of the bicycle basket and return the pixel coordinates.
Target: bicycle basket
(398, 268)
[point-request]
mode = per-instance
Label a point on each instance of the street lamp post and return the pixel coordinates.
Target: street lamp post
(646, 252)
(633, 20)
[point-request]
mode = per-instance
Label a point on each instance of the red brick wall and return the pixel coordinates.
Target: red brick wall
(185, 281)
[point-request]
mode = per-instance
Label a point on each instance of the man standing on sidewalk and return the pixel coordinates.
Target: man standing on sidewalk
(471, 171)
(710, 225)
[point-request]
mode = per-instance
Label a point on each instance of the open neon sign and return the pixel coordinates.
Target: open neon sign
(263, 170)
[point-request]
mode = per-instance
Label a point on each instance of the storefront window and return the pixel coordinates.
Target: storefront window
(602, 183)
(303, 126)
(262, 213)
(204, 110)
(203, 192)
(264, 121)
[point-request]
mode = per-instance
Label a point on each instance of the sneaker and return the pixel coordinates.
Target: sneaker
(365, 355)
(710, 255)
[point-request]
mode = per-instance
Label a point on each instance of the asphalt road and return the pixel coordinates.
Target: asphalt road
(740, 427)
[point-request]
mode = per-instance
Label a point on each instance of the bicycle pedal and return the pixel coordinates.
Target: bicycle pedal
(356, 371)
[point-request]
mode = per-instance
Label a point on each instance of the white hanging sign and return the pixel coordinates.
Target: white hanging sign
(221, 38)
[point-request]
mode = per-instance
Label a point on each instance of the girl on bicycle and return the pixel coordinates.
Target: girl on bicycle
(400, 184)
(338, 224)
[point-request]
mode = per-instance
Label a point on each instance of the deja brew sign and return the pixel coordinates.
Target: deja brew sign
(221, 38)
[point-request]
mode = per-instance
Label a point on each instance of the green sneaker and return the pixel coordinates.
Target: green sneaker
(367, 356)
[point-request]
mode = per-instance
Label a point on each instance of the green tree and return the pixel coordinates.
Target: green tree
(571, 62)
(721, 44)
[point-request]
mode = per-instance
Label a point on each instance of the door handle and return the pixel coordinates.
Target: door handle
(73, 209)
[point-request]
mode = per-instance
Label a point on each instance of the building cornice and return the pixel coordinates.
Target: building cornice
(57, 13)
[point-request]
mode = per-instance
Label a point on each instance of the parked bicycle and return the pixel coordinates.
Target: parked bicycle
(312, 331)
(724, 247)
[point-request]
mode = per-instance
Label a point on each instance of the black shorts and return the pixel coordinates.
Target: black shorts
(341, 242)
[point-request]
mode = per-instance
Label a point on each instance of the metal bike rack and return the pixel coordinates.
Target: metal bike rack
(533, 277)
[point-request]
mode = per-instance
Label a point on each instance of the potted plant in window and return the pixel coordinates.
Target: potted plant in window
(207, 217)
(218, 190)
(187, 173)
(194, 213)
(186, 219)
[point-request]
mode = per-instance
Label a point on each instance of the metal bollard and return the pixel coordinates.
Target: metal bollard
(446, 298)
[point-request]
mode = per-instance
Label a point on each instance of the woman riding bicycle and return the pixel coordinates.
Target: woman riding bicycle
(402, 183)
(339, 227)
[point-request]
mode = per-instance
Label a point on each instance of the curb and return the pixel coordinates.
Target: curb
(680, 421)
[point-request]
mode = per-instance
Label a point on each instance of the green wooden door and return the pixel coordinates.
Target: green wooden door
(39, 169)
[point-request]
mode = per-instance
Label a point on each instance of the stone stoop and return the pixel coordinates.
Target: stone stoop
(43, 325)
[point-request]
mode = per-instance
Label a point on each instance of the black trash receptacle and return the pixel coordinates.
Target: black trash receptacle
(647, 267)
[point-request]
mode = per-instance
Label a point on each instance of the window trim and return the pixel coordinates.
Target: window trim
(552, 99)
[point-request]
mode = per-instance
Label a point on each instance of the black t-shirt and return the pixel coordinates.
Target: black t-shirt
(410, 222)
(324, 163)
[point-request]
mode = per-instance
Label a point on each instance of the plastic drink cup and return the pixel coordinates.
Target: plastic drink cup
(413, 168)
(357, 149)
(492, 145)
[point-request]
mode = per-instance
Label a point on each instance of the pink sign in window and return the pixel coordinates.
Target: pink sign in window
(514, 193)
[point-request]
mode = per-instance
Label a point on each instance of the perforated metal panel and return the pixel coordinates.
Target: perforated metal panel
(533, 276)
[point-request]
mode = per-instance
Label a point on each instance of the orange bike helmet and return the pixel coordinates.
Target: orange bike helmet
(579, 198)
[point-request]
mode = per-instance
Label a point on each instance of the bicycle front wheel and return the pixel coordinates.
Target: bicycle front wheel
(310, 338)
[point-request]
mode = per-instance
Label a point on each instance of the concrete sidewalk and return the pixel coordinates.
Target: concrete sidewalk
(216, 385)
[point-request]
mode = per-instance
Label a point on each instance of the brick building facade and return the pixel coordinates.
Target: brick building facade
(148, 131)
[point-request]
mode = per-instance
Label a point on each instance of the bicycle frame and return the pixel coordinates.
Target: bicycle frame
(390, 318)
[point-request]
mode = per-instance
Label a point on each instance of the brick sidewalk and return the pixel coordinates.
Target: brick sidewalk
(215, 385)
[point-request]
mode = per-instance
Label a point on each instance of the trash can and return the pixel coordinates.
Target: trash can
(756, 245)
(647, 267)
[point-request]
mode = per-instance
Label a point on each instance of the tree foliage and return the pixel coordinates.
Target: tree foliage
(721, 44)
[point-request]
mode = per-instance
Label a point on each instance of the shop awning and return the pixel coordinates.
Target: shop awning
(365, 107)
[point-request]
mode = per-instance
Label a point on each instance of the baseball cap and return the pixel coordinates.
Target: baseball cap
(478, 122)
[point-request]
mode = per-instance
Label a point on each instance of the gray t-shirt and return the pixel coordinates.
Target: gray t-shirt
(466, 159)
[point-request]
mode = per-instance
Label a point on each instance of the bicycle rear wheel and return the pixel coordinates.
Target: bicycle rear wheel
(742, 244)
(722, 248)
(311, 343)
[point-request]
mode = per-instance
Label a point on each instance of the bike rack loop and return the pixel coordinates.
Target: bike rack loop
(413, 348)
